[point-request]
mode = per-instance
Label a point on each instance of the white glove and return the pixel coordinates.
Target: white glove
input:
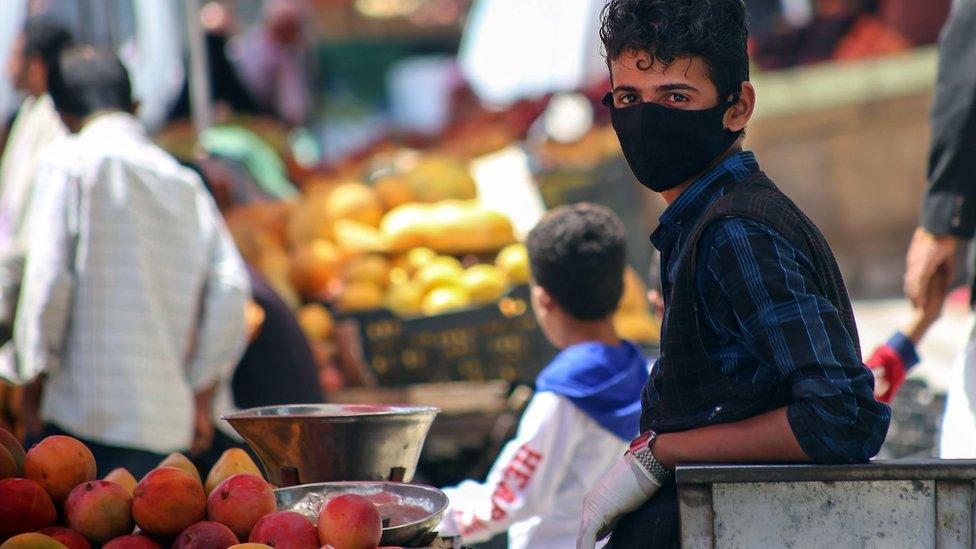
(625, 487)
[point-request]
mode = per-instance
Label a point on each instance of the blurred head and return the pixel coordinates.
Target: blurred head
(87, 81)
(34, 53)
(216, 18)
(283, 20)
(577, 255)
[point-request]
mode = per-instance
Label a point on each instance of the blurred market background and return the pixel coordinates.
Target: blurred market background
(378, 160)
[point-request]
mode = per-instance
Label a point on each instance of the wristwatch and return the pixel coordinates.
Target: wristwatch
(640, 448)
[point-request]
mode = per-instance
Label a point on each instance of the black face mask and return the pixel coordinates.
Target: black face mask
(666, 147)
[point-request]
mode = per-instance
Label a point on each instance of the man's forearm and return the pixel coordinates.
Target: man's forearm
(30, 410)
(203, 399)
(764, 438)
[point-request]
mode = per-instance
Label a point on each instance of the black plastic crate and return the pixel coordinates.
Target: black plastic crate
(610, 184)
(495, 341)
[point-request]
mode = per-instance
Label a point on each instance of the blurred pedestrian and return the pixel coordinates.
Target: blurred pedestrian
(892, 361)
(132, 306)
(227, 92)
(272, 61)
(278, 365)
(949, 211)
(36, 125)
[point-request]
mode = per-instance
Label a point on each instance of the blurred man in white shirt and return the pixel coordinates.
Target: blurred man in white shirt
(36, 126)
(132, 306)
(37, 123)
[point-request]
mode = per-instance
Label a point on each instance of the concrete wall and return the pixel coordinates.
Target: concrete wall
(859, 172)
(925, 503)
(849, 143)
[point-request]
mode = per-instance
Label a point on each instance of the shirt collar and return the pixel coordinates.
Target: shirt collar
(113, 121)
(692, 202)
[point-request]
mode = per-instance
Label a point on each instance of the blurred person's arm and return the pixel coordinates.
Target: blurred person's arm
(203, 427)
(949, 212)
(221, 333)
(253, 319)
(291, 94)
(892, 361)
(950, 202)
(11, 274)
(30, 408)
(47, 288)
(7, 422)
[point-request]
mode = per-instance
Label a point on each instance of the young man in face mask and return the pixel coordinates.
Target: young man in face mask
(760, 358)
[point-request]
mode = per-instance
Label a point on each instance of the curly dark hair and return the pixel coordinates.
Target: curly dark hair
(577, 255)
(714, 30)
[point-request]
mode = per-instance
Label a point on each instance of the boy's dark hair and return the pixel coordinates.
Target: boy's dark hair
(578, 254)
(87, 80)
(714, 30)
(45, 37)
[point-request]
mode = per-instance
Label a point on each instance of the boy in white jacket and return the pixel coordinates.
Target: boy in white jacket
(587, 404)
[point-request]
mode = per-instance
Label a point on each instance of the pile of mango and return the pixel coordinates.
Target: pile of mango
(359, 245)
(50, 499)
(414, 241)
(633, 318)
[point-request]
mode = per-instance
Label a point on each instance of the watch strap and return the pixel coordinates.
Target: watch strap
(646, 459)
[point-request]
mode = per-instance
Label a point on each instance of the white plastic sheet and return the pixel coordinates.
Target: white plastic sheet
(514, 49)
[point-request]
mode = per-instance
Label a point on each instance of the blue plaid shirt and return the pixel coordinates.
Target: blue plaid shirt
(764, 321)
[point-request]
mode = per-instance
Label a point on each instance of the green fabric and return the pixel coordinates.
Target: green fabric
(258, 157)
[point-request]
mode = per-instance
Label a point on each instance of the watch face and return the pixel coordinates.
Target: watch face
(642, 440)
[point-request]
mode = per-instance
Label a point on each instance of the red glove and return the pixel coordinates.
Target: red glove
(889, 372)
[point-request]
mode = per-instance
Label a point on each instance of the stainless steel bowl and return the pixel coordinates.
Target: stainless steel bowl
(308, 500)
(301, 444)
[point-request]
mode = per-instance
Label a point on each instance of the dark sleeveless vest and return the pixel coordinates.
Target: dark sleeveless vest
(685, 380)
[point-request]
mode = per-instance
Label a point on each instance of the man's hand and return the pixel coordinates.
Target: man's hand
(253, 319)
(203, 427)
(935, 296)
(623, 489)
(203, 433)
(927, 255)
(888, 367)
(30, 408)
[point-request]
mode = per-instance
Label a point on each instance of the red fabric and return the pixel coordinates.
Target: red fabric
(870, 37)
(887, 364)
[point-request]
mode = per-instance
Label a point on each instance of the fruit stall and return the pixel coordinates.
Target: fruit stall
(403, 261)
(413, 291)
(404, 264)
